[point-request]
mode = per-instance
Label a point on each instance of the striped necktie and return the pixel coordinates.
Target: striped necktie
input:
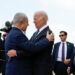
(63, 52)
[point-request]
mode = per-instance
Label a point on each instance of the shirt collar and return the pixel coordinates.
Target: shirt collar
(63, 42)
(43, 28)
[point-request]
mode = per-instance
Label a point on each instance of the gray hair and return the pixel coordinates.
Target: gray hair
(43, 14)
(18, 17)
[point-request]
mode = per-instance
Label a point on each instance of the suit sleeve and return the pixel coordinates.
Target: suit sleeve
(53, 56)
(71, 62)
(30, 46)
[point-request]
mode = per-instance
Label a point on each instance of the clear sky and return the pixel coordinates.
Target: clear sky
(61, 14)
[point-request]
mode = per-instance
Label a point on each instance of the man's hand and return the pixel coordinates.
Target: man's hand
(68, 70)
(67, 61)
(50, 37)
(12, 53)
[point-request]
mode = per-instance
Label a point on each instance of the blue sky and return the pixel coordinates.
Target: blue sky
(61, 14)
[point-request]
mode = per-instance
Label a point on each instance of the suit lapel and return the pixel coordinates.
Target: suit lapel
(44, 32)
(68, 46)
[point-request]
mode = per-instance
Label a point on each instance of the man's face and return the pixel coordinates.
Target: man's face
(38, 20)
(63, 36)
(25, 24)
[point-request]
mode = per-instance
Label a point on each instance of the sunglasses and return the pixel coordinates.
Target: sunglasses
(61, 35)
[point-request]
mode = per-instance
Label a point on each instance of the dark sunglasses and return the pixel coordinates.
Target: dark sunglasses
(61, 35)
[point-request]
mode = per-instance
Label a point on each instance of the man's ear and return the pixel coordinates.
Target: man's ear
(20, 21)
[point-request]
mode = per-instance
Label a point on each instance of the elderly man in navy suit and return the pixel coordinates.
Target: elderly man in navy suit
(42, 60)
(62, 55)
(19, 60)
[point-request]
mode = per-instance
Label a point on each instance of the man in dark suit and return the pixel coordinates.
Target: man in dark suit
(42, 59)
(3, 53)
(73, 62)
(19, 61)
(62, 55)
(0, 54)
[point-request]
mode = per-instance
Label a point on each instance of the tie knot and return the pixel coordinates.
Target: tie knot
(38, 30)
(63, 43)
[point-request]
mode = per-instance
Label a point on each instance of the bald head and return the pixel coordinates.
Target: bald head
(40, 19)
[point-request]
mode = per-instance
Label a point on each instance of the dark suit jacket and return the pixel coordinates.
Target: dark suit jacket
(0, 55)
(73, 62)
(21, 64)
(70, 48)
(42, 59)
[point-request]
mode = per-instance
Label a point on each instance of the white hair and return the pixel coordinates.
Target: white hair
(43, 13)
(18, 17)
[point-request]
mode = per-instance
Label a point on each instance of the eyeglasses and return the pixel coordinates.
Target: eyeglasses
(61, 35)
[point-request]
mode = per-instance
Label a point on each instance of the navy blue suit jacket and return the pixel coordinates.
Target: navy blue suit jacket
(42, 60)
(21, 64)
(70, 48)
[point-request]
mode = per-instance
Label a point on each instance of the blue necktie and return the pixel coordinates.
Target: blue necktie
(36, 33)
(35, 36)
(63, 52)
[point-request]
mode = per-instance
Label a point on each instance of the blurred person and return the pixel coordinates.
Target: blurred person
(3, 53)
(0, 42)
(62, 54)
(0, 54)
(7, 28)
(73, 62)
(19, 49)
(42, 60)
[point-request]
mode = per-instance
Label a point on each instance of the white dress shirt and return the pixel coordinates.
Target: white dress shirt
(59, 58)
